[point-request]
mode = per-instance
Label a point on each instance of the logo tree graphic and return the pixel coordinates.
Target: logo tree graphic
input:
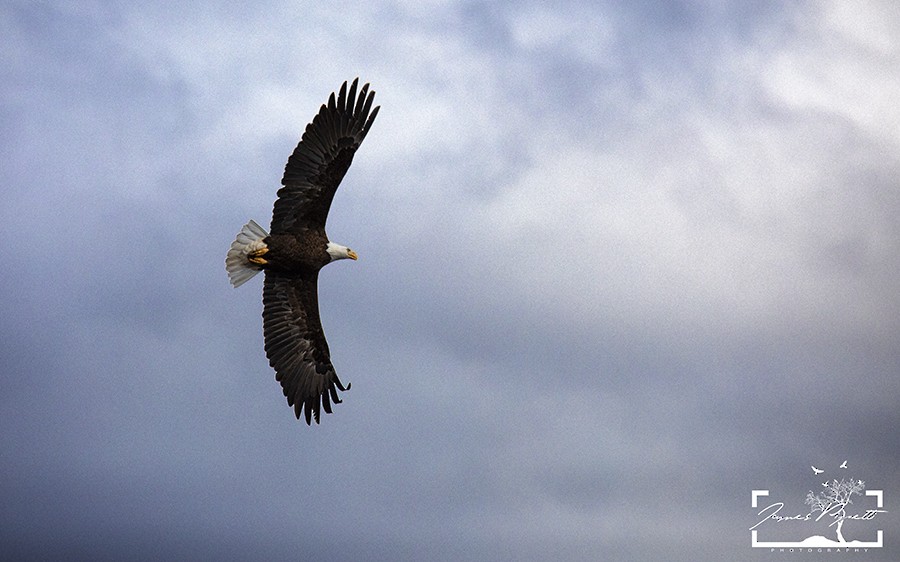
(834, 500)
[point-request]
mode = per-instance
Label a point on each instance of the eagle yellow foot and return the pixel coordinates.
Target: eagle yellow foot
(256, 256)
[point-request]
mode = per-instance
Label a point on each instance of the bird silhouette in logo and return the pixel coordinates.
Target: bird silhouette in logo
(816, 470)
(843, 464)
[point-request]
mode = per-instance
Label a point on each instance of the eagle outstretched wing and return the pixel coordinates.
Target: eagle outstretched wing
(318, 164)
(296, 346)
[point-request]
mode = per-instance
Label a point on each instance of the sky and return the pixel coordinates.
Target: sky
(620, 265)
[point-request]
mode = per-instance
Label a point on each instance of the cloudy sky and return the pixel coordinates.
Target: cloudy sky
(621, 264)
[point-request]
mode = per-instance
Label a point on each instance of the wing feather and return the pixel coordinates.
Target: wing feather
(321, 159)
(296, 345)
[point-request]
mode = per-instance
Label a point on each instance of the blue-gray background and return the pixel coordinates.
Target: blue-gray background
(621, 263)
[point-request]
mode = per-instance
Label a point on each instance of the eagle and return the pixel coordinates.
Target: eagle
(297, 247)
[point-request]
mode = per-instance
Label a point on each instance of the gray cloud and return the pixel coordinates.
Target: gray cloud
(620, 266)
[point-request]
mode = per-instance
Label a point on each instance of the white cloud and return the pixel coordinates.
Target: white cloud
(871, 25)
(589, 35)
(711, 211)
(843, 64)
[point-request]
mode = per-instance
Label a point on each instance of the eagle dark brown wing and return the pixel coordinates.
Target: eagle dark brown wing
(318, 164)
(296, 346)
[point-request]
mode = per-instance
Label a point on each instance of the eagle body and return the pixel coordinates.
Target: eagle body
(296, 254)
(297, 248)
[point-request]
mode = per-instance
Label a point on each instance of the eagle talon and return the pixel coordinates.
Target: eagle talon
(256, 256)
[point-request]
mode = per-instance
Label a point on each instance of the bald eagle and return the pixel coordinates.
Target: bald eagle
(296, 248)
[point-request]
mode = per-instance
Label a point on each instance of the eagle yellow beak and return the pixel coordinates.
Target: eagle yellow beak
(352, 255)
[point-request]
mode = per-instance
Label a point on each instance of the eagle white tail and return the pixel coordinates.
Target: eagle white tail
(249, 239)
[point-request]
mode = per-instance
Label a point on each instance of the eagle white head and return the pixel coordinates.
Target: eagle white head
(338, 252)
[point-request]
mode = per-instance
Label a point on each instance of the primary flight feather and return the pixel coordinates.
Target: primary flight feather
(296, 248)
